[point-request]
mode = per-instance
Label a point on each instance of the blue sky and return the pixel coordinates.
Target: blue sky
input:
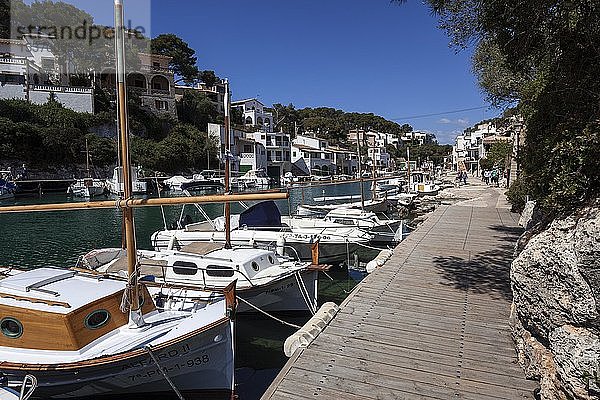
(355, 55)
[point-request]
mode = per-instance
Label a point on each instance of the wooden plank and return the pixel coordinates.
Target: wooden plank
(431, 323)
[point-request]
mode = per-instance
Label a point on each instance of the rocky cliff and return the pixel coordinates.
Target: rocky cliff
(556, 306)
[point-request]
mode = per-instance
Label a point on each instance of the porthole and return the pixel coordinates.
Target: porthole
(255, 266)
(11, 327)
(271, 259)
(97, 319)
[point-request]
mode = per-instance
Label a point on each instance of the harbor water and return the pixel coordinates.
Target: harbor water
(57, 239)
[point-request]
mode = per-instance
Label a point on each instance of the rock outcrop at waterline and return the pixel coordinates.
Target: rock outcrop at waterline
(556, 306)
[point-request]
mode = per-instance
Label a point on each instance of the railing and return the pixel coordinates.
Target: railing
(12, 61)
(65, 89)
(246, 155)
(160, 91)
(152, 68)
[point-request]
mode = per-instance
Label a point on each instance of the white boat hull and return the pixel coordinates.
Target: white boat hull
(296, 245)
(197, 364)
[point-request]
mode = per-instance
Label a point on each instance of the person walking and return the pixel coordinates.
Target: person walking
(495, 177)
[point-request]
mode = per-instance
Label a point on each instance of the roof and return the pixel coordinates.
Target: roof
(305, 147)
(37, 289)
(245, 101)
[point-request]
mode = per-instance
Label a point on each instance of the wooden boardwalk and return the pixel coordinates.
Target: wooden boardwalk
(430, 324)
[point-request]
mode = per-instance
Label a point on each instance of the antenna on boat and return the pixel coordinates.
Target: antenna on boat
(135, 313)
(226, 129)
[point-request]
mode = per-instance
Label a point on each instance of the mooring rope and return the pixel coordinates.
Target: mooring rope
(269, 315)
(148, 348)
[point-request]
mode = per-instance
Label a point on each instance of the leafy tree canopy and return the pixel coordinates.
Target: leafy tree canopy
(184, 57)
(544, 55)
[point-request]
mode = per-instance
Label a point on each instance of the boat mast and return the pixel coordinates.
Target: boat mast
(409, 185)
(135, 314)
(87, 159)
(226, 129)
(362, 191)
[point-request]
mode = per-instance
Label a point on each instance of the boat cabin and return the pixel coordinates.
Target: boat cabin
(219, 267)
(40, 310)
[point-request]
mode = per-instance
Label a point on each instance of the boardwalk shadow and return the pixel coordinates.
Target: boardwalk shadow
(487, 271)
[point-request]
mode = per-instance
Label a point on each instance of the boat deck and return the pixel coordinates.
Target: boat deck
(430, 324)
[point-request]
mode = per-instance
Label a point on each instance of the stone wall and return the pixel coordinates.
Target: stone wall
(556, 306)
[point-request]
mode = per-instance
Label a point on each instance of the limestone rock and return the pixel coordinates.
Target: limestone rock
(555, 279)
(530, 216)
(556, 293)
(577, 356)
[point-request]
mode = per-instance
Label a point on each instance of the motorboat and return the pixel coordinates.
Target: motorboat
(68, 329)
(373, 205)
(254, 178)
(261, 226)
(422, 185)
(386, 232)
(198, 182)
(7, 189)
(264, 280)
(88, 188)
(115, 184)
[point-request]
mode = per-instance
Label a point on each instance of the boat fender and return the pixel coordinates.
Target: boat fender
(379, 260)
(309, 332)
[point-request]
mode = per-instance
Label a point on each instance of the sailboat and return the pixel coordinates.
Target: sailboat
(87, 187)
(86, 335)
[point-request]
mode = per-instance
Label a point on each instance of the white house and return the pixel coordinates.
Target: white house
(469, 147)
(25, 71)
(245, 152)
(253, 112)
(311, 156)
(278, 148)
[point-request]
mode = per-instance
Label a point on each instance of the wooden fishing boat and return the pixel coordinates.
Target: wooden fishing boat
(69, 331)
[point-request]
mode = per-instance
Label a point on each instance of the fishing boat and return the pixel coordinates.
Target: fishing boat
(421, 184)
(198, 182)
(376, 206)
(261, 226)
(69, 330)
(264, 280)
(87, 187)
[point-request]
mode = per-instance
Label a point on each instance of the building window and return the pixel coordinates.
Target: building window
(259, 121)
(294, 154)
(248, 121)
(267, 121)
(247, 148)
(286, 156)
(161, 105)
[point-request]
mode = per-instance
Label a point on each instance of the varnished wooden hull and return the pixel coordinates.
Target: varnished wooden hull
(201, 361)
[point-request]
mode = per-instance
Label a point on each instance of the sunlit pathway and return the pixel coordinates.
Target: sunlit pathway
(432, 323)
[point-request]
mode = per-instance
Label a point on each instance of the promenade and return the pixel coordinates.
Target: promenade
(432, 323)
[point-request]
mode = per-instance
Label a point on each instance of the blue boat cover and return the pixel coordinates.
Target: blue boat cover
(262, 215)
